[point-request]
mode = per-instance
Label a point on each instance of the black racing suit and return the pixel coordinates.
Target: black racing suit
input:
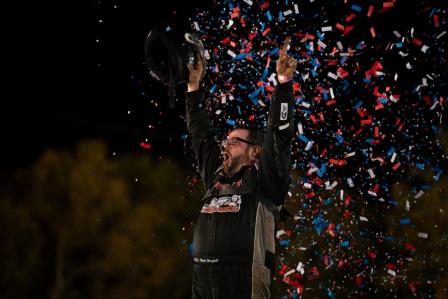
(233, 243)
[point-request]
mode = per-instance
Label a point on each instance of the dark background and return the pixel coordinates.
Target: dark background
(63, 86)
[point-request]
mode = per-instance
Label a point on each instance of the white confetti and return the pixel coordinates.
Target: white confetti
(305, 104)
(196, 26)
(348, 155)
(434, 105)
(340, 47)
(419, 194)
(321, 44)
(307, 185)
(313, 170)
(393, 157)
(441, 34)
(424, 48)
(206, 54)
(300, 268)
(272, 77)
(391, 272)
(300, 128)
(423, 235)
(331, 93)
(308, 146)
(350, 182)
(231, 53)
(332, 76)
(289, 272)
(280, 233)
(393, 99)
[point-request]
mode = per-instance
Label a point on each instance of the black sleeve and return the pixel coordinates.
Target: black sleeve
(275, 160)
(203, 136)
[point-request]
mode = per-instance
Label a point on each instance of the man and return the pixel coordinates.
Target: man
(247, 180)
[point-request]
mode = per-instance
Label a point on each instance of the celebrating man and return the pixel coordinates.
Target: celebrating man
(247, 180)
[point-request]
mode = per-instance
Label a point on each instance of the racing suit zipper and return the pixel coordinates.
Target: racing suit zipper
(211, 237)
(211, 244)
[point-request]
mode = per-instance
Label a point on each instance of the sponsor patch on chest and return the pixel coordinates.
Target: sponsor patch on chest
(224, 204)
(284, 111)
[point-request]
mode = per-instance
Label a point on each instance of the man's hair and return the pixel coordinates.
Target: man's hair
(255, 134)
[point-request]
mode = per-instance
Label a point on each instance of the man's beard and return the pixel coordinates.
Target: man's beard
(232, 165)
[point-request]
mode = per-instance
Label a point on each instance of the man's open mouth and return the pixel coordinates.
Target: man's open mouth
(225, 157)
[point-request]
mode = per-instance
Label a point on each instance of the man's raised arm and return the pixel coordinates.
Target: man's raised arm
(275, 159)
(203, 134)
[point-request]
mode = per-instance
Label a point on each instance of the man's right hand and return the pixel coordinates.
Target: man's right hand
(195, 74)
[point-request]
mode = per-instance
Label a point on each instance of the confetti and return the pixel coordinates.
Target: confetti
(369, 103)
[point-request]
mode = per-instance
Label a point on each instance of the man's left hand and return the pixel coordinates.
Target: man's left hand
(286, 65)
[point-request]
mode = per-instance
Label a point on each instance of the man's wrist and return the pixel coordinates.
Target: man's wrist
(192, 87)
(284, 78)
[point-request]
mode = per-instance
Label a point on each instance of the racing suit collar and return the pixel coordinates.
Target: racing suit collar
(224, 179)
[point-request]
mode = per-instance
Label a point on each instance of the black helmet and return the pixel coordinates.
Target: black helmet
(167, 54)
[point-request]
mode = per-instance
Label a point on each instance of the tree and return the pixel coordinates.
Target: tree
(420, 224)
(93, 226)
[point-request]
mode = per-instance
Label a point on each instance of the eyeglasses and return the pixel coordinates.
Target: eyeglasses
(235, 140)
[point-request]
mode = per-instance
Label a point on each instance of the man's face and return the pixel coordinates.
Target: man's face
(237, 153)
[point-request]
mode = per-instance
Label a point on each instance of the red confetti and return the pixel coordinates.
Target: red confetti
(350, 17)
(372, 32)
(266, 31)
(310, 195)
(145, 145)
(417, 41)
(436, 21)
(396, 166)
(369, 13)
(340, 27)
(264, 5)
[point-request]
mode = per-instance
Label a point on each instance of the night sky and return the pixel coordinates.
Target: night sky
(78, 69)
(73, 76)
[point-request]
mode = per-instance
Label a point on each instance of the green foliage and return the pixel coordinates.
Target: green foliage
(87, 225)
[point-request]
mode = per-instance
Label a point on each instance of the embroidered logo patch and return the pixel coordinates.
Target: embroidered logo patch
(225, 204)
(284, 111)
